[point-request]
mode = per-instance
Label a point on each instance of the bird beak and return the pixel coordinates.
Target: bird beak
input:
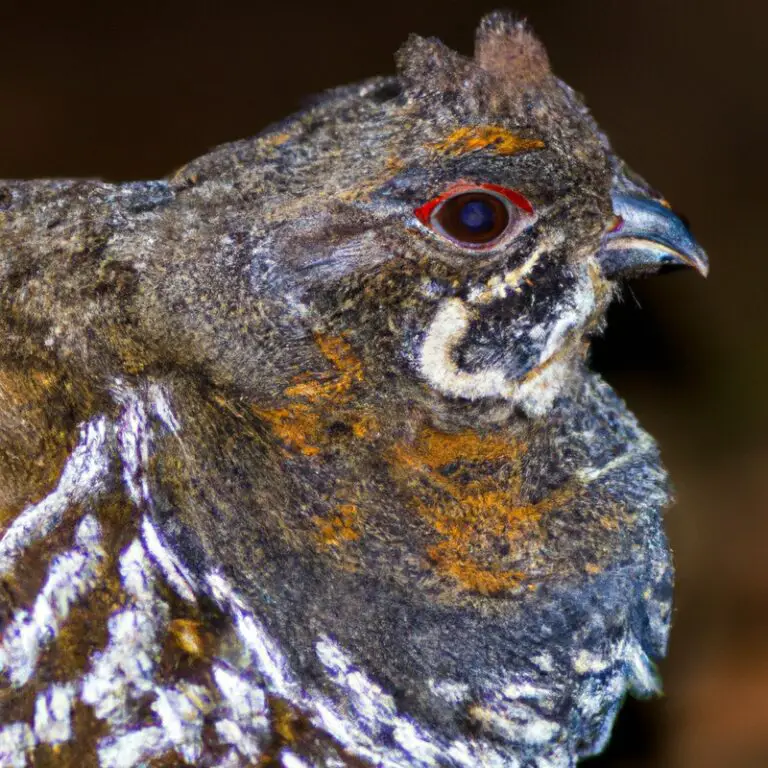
(647, 236)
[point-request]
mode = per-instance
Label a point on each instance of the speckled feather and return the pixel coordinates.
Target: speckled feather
(286, 478)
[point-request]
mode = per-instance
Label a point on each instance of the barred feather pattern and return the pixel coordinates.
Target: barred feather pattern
(166, 666)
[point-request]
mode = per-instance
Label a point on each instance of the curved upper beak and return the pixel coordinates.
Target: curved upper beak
(646, 237)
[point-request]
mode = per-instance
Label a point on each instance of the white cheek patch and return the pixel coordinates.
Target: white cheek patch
(535, 393)
(448, 327)
(580, 306)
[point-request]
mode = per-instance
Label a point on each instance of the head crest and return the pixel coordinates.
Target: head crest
(508, 49)
(510, 63)
(428, 61)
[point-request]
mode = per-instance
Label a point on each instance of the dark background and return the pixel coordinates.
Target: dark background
(130, 90)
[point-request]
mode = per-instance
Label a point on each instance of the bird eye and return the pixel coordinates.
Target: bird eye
(475, 217)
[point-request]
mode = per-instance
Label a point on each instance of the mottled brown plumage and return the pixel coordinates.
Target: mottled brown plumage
(313, 472)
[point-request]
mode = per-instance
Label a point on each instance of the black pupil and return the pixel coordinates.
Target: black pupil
(472, 218)
(477, 216)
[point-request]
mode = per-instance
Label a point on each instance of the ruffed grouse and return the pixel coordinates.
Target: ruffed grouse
(301, 462)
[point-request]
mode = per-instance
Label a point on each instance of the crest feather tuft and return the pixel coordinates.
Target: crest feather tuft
(507, 48)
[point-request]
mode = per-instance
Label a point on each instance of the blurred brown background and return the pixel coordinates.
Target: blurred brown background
(132, 90)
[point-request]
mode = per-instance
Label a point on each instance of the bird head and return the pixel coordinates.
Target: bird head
(464, 224)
